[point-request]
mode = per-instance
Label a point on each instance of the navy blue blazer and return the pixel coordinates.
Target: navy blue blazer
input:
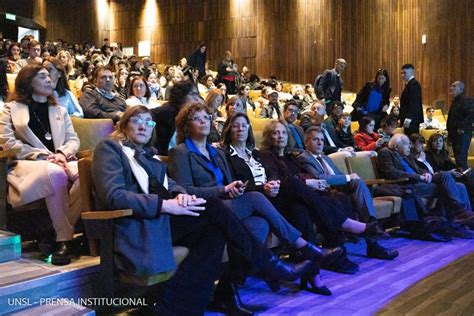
(191, 171)
(143, 244)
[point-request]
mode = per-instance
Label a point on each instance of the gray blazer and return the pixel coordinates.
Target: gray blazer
(143, 243)
(191, 171)
(313, 167)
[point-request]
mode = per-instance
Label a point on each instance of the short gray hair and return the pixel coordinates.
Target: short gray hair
(397, 139)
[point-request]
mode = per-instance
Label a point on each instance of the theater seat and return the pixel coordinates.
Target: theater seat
(99, 228)
(470, 157)
(91, 132)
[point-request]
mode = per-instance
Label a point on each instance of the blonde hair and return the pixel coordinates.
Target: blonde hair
(267, 141)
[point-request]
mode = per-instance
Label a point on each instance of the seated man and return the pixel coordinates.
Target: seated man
(290, 114)
(321, 166)
(315, 118)
(100, 101)
(34, 53)
(430, 122)
(395, 162)
(272, 108)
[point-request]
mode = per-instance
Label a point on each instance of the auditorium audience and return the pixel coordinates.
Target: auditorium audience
(45, 166)
(203, 171)
(126, 175)
(99, 101)
(395, 162)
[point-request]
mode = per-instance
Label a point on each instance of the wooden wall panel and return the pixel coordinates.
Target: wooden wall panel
(294, 39)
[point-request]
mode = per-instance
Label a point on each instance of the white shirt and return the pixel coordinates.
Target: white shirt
(258, 171)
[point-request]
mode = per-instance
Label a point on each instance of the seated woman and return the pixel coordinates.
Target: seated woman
(207, 84)
(139, 93)
(61, 91)
(343, 130)
(121, 84)
(44, 168)
(373, 99)
(243, 93)
(13, 56)
(366, 138)
(126, 174)
(203, 170)
(289, 195)
(214, 100)
(304, 202)
(437, 156)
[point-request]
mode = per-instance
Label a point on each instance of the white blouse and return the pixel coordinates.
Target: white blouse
(258, 171)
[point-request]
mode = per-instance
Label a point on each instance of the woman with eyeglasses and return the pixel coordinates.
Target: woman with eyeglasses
(44, 167)
(61, 89)
(127, 174)
(373, 99)
(204, 171)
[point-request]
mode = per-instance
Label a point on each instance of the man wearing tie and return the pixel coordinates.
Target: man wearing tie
(321, 166)
(411, 106)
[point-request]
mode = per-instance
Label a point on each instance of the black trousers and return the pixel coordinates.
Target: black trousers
(303, 206)
(189, 290)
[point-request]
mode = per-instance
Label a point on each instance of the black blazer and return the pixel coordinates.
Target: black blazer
(164, 116)
(240, 170)
(191, 171)
(460, 116)
(391, 168)
(411, 106)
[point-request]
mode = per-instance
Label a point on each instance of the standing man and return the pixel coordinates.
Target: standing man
(411, 108)
(330, 85)
(460, 123)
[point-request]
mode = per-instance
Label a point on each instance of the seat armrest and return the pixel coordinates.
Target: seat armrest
(105, 215)
(401, 180)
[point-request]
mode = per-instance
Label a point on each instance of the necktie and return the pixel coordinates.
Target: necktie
(323, 164)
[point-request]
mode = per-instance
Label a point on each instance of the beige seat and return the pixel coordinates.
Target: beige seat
(91, 132)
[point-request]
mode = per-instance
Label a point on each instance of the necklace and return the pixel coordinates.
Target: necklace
(47, 134)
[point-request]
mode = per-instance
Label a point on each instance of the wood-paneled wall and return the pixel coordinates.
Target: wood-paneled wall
(292, 39)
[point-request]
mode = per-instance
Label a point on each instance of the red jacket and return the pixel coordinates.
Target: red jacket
(365, 141)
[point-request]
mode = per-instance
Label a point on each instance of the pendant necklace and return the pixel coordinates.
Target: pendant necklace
(47, 134)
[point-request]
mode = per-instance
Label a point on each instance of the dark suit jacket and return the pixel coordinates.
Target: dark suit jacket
(191, 171)
(411, 106)
(164, 116)
(143, 244)
(314, 168)
(330, 83)
(460, 116)
(391, 168)
(291, 138)
(240, 170)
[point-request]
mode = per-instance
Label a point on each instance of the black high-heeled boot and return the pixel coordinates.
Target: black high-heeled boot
(317, 255)
(308, 277)
(227, 300)
(276, 269)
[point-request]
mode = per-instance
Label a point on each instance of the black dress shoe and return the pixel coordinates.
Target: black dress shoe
(376, 251)
(276, 269)
(63, 254)
(342, 265)
(374, 230)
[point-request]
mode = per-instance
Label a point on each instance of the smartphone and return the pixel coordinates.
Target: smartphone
(466, 171)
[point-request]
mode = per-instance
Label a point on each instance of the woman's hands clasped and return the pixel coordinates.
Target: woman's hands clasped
(183, 204)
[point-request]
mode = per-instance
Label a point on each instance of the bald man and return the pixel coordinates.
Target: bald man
(460, 123)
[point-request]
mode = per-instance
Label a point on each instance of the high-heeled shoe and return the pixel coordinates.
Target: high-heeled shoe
(227, 300)
(309, 278)
(276, 269)
(317, 255)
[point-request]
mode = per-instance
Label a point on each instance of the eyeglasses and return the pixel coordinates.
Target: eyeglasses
(242, 126)
(137, 121)
(292, 111)
(206, 118)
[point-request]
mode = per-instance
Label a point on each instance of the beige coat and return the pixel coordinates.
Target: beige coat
(28, 178)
